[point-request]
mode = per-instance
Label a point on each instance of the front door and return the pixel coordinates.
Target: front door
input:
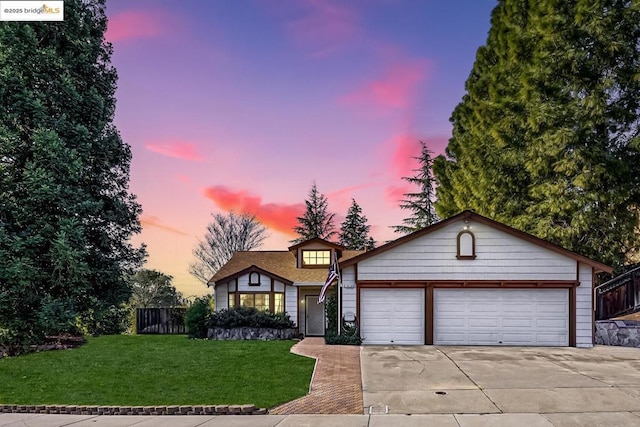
(314, 319)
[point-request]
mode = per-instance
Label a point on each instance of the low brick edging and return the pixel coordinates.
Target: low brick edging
(134, 410)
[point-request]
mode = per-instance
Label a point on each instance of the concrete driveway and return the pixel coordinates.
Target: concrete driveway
(557, 386)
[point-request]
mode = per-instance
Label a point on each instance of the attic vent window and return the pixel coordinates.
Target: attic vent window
(466, 245)
(254, 278)
(313, 258)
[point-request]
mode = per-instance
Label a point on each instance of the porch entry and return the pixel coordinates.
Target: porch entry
(314, 320)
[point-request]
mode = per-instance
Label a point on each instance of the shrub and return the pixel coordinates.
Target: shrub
(349, 335)
(239, 317)
(105, 320)
(197, 316)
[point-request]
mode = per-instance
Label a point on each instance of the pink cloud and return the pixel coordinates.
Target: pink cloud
(394, 90)
(396, 193)
(134, 25)
(185, 179)
(280, 217)
(152, 221)
(348, 191)
(405, 148)
(177, 149)
(325, 25)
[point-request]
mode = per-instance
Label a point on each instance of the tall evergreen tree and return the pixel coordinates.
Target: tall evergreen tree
(421, 203)
(66, 214)
(317, 221)
(546, 138)
(354, 231)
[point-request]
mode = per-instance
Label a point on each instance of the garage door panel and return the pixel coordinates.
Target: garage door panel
(517, 308)
(483, 323)
(451, 307)
(501, 316)
(552, 323)
(452, 322)
(509, 322)
(480, 308)
(519, 338)
(392, 316)
(481, 337)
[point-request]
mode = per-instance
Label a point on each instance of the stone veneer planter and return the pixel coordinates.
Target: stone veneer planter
(246, 333)
(618, 332)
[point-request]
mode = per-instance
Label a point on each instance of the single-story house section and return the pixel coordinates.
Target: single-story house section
(467, 280)
(279, 281)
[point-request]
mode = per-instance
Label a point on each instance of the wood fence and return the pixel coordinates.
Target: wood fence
(618, 296)
(160, 320)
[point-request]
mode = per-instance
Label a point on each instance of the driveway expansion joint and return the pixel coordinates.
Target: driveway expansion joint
(470, 379)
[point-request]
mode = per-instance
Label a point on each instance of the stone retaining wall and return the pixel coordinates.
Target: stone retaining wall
(217, 333)
(134, 410)
(618, 332)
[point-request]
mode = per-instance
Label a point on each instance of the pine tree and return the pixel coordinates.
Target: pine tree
(66, 215)
(546, 138)
(420, 204)
(354, 231)
(316, 221)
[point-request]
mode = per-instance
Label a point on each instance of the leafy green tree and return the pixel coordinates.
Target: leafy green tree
(317, 221)
(151, 288)
(546, 137)
(354, 231)
(226, 235)
(66, 214)
(421, 203)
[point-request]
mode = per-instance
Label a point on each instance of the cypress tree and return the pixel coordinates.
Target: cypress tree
(421, 203)
(66, 214)
(546, 137)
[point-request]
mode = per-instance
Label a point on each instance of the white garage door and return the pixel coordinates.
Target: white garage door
(392, 316)
(501, 317)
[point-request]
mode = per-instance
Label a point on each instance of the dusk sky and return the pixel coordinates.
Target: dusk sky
(241, 105)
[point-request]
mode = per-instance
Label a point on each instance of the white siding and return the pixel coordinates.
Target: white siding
(221, 297)
(265, 284)
(499, 256)
(278, 286)
(348, 293)
(584, 308)
(291, 303)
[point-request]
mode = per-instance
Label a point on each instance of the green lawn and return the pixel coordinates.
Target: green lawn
(157, 370)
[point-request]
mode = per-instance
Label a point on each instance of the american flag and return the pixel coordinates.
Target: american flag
(334, 274)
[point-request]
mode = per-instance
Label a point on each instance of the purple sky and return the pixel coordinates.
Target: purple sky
(243, 104)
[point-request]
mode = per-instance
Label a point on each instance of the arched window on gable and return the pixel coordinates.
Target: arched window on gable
(254, 278)
(466, 245)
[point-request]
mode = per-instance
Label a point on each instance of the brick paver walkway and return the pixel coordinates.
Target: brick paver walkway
(336, 386)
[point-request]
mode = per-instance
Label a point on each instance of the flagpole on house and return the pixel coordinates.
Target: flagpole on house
(339, 292)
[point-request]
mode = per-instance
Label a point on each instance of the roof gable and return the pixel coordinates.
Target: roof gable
(255, 268)
(317, 240)
(479, 218)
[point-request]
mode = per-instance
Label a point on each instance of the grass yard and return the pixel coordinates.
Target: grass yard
(157, 370)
